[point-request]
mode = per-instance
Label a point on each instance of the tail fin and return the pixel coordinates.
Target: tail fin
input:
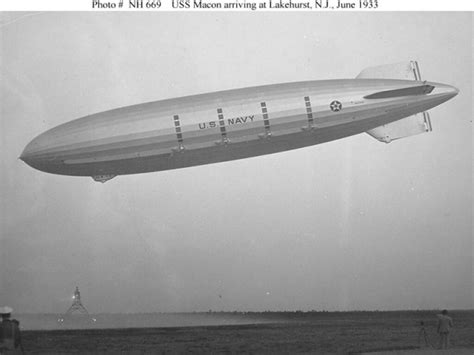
(409, 126)
(404, 70)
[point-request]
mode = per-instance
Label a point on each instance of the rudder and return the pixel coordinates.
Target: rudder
(409, 126)
(403, 70)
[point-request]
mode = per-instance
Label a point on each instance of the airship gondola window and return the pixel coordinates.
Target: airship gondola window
(415, 90)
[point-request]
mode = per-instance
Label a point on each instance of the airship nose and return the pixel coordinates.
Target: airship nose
(38, 151)
(29, 153)
(33, 148)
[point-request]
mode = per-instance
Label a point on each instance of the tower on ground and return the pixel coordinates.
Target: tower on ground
(77, 308)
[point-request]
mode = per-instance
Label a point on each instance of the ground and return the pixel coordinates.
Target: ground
(288, 332)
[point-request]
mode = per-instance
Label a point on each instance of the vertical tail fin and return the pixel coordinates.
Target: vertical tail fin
(404, 70)
(409, 126)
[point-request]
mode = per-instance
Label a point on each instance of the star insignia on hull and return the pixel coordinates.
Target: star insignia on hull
(335, 106)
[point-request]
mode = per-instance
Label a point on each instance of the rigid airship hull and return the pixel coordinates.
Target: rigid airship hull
(227, 125)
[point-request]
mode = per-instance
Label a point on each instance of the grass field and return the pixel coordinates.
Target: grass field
(286, 332)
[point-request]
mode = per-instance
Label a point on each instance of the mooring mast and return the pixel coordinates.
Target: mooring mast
(77, 306)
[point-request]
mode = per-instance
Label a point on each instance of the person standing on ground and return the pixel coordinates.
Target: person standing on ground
(422, 335)
(445, 324)
(10, 337)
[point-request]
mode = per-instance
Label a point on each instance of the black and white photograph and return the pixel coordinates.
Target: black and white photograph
(255, 182)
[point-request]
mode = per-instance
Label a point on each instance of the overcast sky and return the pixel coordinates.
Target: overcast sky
(348, 225)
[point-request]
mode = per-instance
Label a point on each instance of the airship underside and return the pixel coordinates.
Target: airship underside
(236, 124)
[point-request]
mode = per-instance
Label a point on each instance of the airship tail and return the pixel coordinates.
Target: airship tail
(403, 71)
(413, 125)
(410, 126)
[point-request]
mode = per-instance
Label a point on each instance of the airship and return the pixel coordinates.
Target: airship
(388, 102)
